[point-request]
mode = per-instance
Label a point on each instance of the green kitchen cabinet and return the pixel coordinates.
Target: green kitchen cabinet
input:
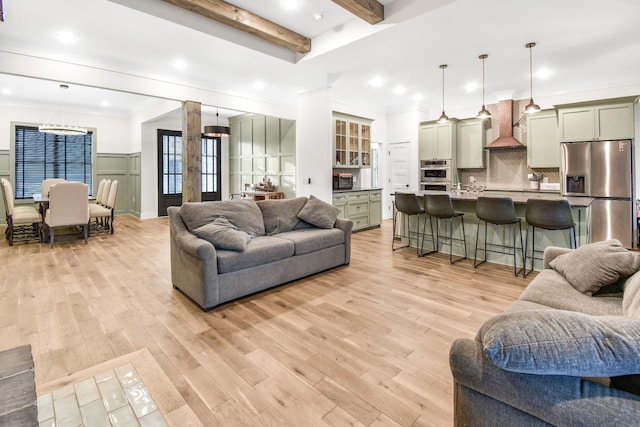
(599, 122)
(351, 141)
(437, 141)
(471, 141)
(543, 144)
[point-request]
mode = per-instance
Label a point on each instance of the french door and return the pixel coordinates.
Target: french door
(170, 169)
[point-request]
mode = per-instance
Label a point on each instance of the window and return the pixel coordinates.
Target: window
(170, 169)
(41, 155)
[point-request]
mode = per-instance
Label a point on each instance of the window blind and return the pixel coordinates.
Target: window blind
(41, 155)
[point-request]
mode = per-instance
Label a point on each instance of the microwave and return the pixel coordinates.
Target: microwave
(435, 171)
(342, 181)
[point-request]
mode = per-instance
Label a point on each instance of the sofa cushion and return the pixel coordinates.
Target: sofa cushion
(319, 213)
(313, 239)
(558, 342)
(260, 250)
(223, 235)
(244, 214)
(280, 216)
(549, 288)
(631, 297)
(595, 265)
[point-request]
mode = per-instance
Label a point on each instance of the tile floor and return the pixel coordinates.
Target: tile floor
(115, 398)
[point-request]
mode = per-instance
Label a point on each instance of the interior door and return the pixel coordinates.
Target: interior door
(400, 169)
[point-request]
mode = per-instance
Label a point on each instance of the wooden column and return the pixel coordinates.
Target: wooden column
(191, 152)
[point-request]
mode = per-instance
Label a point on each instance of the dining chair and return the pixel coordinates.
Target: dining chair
(47, 183)
(100, 191)
(23, 222)
(68, 207)
(104, 212)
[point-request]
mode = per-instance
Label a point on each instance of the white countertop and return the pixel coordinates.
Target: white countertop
(518, 197)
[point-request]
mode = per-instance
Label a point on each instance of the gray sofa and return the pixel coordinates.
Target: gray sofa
(256, 245)
(566, 353)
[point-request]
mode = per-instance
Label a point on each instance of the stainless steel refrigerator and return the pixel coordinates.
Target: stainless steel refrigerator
(602, 170)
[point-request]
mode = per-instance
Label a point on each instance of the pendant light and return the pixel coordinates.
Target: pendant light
(217, 130)
(62, 129)
(484, 113)
(531, 107)
(443, 117)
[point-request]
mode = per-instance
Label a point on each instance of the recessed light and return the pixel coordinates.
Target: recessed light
(105, 103)
(376, 81)
(6, 92)
(472, 87)
(179, 64)
(543, 73)
(399, 90)
(258, 84)
(290, 4)
(318, 16)
(65, 37)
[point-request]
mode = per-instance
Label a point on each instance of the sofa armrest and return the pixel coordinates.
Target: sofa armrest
(551, 253)
(555, 399)
(345, 225)
(194, 267)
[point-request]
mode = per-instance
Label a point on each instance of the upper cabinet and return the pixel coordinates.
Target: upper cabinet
(438, 141)
(543, 145)
(471, 140)
(606, 120)
(351, 141)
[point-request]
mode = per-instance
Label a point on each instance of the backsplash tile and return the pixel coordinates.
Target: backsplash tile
(507, 169)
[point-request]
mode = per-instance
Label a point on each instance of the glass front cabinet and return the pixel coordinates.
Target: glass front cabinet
(351, 141)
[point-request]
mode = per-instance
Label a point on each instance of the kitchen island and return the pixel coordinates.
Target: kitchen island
(465, 202)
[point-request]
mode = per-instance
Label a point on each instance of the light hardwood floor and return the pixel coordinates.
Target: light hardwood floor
(364, 344)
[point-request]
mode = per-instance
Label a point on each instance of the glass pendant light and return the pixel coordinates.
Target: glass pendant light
(217, 130)
(484, 113)
(62, 129)
(443, 117)
(531, 107)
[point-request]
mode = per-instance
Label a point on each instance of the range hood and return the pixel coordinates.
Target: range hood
(505, 140)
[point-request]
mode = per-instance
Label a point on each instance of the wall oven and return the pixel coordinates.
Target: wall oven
(435, 175)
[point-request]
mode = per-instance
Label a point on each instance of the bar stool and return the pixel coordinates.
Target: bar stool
(498, 211)
(548, 215)
(407, 204)
(439, 206)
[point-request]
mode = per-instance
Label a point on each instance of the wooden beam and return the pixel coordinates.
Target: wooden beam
(191, 152)
(371, 11)
(244, 20)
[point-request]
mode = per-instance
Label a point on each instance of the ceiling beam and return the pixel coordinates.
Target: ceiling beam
(371, 11)
(246, 21)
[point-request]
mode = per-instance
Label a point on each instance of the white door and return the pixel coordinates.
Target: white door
(399, 172)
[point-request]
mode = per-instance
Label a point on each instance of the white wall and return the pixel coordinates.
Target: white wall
(112, 132)
(314, 147)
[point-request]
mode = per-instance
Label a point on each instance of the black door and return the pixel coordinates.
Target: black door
(170, 169)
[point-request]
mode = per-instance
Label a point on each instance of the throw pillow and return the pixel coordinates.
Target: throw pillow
(558, 342)
(319, 213)
(595, 265)
(223, 235)
(244, 214)
(281, 215)
(631, 296)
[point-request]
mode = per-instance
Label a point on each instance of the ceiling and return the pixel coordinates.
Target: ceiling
(582, 46)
